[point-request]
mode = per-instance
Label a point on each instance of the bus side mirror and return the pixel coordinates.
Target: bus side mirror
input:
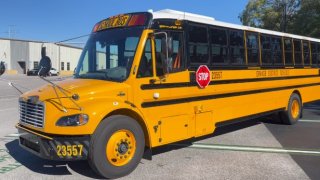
(2, 68)
(44, 64)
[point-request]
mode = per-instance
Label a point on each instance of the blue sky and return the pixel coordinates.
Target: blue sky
(55, 20)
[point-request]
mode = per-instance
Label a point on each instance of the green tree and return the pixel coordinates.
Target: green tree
(307, 20)
(270, 14)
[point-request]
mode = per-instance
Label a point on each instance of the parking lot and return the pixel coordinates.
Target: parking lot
(257, 149)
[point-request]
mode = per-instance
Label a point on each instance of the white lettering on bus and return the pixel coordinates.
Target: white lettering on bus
(203, 76)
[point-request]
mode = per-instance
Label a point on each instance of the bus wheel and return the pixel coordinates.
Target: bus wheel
(294, 112)
(116, 146)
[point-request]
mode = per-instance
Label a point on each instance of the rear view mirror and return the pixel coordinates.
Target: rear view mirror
(44, 64)
(2, 68)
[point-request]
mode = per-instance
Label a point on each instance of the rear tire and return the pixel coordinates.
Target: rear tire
(116, 146)
(294, 110)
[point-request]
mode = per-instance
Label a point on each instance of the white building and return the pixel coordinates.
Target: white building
(21, 55)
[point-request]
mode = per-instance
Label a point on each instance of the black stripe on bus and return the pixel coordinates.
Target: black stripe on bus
(191, 84)
(217, 96)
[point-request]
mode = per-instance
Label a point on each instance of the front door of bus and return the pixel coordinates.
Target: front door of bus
(169, 120)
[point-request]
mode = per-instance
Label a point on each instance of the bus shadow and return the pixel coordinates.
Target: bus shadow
(48, 167)
(313, 106)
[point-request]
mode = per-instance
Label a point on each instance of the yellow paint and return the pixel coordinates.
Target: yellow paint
(11, 72)
(18, 126)
(295, 109)
(66, 73)
(169, 123)
(121, 147)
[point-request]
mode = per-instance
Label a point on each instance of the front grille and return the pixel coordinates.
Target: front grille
(31, 114)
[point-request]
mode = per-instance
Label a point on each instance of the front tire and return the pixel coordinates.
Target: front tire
(116, 146)
(294, 111)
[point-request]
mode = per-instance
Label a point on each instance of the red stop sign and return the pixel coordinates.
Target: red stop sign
(203, 76)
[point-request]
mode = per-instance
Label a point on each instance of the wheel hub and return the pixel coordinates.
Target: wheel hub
(123, 148)
(295, 109)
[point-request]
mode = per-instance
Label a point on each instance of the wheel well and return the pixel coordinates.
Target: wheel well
(135, 116)
(297, 92)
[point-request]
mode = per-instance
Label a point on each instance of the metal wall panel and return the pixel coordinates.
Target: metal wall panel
(5, 54)
(19, 55)
(70, 55)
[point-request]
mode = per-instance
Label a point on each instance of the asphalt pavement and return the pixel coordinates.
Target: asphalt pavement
(257, 149)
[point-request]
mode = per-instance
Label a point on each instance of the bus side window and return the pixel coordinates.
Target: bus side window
(160, 57)
(314, 53)
(266, 50)
(253, 48)
(145, 67)
(306, 53)
(236, 47)
(219, 46)
(176, 62)
(288, 52)
(276, 47)
(318, 53)
(198, 45)
(297, 53)
(177, 52)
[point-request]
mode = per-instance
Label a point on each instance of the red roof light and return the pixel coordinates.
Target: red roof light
(137, 20)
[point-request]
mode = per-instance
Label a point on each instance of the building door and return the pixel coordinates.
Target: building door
(22, 65)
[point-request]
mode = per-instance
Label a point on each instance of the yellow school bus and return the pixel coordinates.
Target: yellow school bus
(137, 86)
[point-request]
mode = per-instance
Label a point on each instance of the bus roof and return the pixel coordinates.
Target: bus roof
(179, 15)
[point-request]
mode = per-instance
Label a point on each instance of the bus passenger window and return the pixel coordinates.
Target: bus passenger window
(145, 67)
(315, 54)
(236, 47)
(288, 52)
(177, 52)
(176, 62)
(219, 46)
(266, 50)
(306, 53)
(318, 53)
(253, 48)
(198, 45)
(297, 53)
(276, 47)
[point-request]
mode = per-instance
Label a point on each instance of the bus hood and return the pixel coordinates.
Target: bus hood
(84, 88)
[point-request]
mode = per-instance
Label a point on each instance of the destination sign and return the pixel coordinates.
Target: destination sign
(123, 20)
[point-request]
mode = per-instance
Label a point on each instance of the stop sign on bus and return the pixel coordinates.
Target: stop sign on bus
(203, 76)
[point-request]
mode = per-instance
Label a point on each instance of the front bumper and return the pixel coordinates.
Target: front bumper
(65, 148)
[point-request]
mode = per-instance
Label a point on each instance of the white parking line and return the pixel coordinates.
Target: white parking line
(253, 149)
(309, 120)
(13, 135)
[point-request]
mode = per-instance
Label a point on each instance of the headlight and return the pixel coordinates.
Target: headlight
(73, 120)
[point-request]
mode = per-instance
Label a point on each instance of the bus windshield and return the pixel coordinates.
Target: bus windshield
(108, 54)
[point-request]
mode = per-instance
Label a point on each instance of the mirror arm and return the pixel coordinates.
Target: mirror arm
(63, 92)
